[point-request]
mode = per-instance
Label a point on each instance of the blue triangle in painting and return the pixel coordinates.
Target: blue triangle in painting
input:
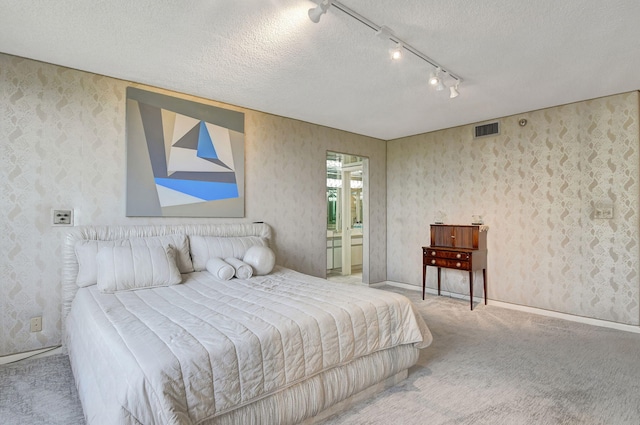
(208, 191)
(205, 144)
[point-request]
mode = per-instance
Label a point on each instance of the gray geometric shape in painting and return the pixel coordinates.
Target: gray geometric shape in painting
(154, 135)
(189, 140)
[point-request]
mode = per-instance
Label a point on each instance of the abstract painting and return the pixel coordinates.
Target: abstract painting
(184, 159)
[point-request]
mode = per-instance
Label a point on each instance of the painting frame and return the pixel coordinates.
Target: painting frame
(184, 158)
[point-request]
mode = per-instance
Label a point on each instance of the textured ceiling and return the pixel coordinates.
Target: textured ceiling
(514, 55)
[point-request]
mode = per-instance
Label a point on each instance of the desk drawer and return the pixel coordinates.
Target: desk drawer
(449, 264)
(436, 253)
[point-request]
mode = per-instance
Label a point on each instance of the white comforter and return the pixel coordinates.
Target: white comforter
(185, 353)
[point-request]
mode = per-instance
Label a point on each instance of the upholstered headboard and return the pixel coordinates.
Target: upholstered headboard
(107, 233)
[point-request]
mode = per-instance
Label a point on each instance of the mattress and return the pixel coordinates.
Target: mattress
(205, 349)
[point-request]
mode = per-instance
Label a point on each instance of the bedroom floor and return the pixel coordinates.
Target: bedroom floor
(486, 366)
(354, 278)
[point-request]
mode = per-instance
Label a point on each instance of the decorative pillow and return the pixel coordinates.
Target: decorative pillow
(261, 258)
(180, 243)
(126, 268)
(205, 247)
(220, 269)
(86, 251)
(242, 269)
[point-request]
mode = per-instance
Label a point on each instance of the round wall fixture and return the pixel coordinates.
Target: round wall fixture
(522, 122)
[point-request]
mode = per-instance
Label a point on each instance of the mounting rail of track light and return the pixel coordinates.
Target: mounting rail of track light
(435, 80)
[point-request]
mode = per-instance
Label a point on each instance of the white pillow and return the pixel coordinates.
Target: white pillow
(261, 258)
(220, 268)
(243, 270)
(126, 268)
(205, 247)
(180, 243)
(86, 251)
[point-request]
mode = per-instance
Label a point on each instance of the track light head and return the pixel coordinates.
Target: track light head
(434, 78)
(454, 91)
(316, 12)
(396, 52)
(436, 81)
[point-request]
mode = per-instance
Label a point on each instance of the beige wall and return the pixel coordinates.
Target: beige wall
(62, 145)
(536, 187)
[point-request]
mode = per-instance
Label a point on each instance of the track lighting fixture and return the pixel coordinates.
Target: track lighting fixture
(435, 80)
(384, 33)
(396, 52)
(436, 77)
(316, 12)
(454, 91)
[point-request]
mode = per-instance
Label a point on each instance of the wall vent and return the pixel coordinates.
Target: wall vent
(486, 129)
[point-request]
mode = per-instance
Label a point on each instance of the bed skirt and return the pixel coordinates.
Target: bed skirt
(300, 403)
(310, 398)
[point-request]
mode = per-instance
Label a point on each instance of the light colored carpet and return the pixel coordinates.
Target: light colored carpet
(497, 366)
(39, 391)
(486, 366)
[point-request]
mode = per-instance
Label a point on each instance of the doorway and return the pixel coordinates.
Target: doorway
(346, 217)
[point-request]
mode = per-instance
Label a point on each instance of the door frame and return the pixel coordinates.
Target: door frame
(365, 212)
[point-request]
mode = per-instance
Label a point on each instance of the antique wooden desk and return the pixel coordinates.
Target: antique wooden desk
(461, 247)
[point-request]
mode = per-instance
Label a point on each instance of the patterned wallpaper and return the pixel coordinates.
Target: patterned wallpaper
(536, 187)
(62, 145)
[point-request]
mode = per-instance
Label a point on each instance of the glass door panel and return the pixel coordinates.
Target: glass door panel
(345, 214)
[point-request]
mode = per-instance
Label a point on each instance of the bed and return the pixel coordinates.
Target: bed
(275, 347)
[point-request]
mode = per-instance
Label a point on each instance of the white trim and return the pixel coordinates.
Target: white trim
(35, 354)
(527, 309)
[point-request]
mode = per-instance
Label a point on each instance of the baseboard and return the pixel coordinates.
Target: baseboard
(42, 352)
(527, 309)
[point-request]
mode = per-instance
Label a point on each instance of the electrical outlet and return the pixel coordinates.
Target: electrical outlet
(36, 324)
(62, 217)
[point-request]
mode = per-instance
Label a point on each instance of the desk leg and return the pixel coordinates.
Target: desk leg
(484, 279)
(424, 275)
(471, 289)
(438, 281)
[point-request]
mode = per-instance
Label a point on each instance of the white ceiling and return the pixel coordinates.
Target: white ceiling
(514, 55)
